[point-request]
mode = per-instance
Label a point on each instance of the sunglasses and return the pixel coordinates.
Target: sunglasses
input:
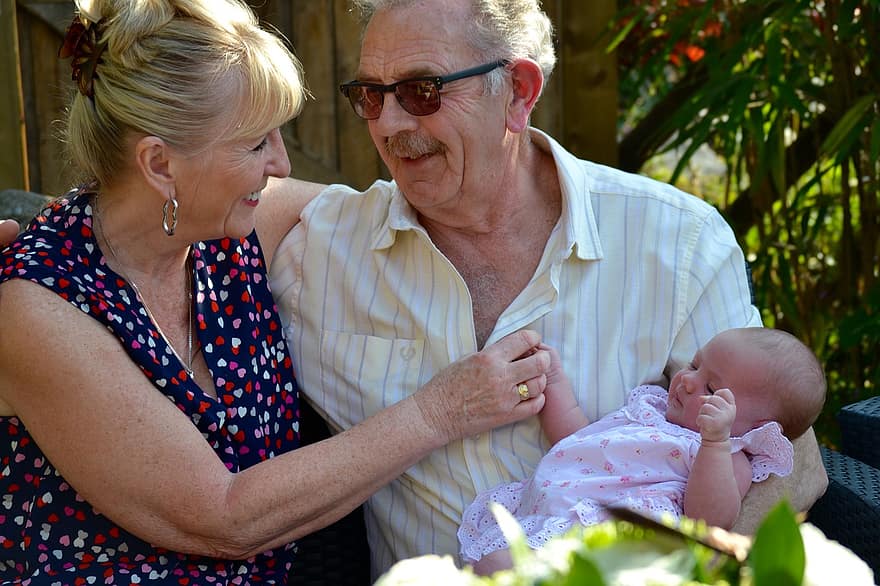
(419, 96)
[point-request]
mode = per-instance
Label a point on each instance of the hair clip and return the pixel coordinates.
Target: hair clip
(81, 43)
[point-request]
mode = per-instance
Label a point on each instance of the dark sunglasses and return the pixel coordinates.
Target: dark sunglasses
(419, 96)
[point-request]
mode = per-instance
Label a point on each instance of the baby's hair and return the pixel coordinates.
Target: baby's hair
(795, 377)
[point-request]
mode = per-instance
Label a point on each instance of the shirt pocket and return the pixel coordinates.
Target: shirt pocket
(368, 373)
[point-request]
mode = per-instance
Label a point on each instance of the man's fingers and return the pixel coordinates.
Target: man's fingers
(531, 367)
(531, 388)
(514, 345)
(526, 408)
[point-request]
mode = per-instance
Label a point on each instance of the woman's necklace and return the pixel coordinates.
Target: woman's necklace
(189, 293)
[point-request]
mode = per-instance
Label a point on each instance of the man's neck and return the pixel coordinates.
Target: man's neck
(497, 249)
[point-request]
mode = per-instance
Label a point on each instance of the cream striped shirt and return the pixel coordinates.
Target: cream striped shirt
(636, 275)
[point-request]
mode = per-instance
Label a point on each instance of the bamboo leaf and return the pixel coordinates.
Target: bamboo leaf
(624, 32)
(875, 139)
(845, 126)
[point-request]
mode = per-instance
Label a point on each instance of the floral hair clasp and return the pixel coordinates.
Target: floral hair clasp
(81, 43)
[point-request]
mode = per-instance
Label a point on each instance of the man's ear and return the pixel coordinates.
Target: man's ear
(527, 80)
(153, 158)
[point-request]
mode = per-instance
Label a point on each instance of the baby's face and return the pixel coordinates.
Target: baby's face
(725, 362)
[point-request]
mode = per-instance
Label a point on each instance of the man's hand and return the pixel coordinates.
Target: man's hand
(8, 232)
(801, 488)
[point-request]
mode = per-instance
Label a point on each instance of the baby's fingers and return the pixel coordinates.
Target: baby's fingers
(725, 394)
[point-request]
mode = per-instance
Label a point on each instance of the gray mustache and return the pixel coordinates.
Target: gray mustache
(412, 145)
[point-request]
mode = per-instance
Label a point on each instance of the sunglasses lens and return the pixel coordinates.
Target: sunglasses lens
(419, 97)
(366, 101)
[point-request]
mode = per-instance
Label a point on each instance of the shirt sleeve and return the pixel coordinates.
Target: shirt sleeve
(718, 295)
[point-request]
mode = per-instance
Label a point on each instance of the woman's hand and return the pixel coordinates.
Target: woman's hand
(479, 392)
(8, 232)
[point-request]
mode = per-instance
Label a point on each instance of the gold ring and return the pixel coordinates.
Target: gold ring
(522, 390)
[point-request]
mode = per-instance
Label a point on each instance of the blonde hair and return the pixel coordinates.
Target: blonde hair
(191, 72)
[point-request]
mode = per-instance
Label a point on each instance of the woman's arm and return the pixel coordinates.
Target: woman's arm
(134, 456)
(281, 203)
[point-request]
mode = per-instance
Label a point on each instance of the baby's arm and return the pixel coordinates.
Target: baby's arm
(718, 480)
(561, 415)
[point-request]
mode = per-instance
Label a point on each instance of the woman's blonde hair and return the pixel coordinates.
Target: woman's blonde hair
(191, 72)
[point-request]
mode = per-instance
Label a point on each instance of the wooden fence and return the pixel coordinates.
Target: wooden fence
(327, 143)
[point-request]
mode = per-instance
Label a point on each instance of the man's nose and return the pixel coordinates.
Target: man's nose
(393, 118)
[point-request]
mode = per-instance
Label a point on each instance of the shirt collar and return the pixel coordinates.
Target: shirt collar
(577, 221)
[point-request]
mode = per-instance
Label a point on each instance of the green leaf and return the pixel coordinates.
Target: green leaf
(513, 533)
(777, 556)
(875, 140)
(582, 572)
(845, 126)
(623, 33)
(776, 156)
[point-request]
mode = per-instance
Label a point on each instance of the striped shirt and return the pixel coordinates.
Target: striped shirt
(635, 276)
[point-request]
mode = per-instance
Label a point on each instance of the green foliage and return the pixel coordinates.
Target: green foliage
(786, 93)
(644, 552)
(777, 556)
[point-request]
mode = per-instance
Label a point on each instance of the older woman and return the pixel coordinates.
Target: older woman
(149, 411)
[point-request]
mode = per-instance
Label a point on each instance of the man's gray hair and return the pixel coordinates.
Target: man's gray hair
(500, 29)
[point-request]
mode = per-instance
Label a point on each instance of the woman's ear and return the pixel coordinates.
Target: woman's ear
(527, 80)
(153, 159)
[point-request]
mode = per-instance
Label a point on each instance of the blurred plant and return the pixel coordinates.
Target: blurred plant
(642, 552)
(787, 93)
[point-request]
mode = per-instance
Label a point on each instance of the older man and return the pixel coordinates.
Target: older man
(490, 226)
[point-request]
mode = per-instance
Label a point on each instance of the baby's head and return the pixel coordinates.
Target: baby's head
(772, 374)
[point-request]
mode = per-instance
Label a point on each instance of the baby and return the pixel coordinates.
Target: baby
(725, 422)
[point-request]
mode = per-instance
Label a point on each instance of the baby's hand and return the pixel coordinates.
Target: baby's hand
(716, 416)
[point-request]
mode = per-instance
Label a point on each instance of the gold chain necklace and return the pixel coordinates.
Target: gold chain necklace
(189, 292)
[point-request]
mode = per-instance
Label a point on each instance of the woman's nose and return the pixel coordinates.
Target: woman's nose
(279, 163)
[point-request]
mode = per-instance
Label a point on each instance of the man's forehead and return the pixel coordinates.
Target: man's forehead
(418, 39)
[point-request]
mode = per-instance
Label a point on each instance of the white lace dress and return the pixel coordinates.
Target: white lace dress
(632, 457)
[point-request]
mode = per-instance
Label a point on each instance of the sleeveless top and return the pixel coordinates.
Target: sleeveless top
(48, 533)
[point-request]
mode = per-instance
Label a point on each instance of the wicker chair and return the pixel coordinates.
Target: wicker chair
(338, 554)
(849, 511)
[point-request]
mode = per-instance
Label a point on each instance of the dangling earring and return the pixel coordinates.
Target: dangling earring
(172, 203)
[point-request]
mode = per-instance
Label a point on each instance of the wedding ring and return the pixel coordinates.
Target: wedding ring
(522, 390)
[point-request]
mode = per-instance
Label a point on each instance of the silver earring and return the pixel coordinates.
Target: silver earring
(172, 203)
